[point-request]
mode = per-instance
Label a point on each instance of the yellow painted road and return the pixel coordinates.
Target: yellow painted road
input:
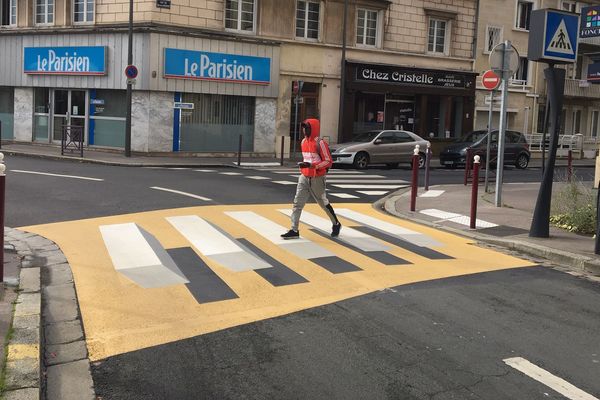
(120, 316)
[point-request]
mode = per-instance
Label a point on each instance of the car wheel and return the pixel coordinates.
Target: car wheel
(422, 160)
(361, 160)
(522, 161)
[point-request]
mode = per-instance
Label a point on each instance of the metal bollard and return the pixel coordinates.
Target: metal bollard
(468, 165)
(427, 162)
(240, 152)
(282, 146)
(2, 199)
(415, 179)
(474, 190)
(569, 166)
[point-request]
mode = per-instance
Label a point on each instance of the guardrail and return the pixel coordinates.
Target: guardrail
(565, 143)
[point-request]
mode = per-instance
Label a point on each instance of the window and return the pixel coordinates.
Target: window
(387, 137)
(493, 36)
(239, 15)
(83, 10)
(541, 117)
(307, 19)
(366, 27)
(523, 14)
(568, 5)
(403, 137)
(44, 12)
(8, 12)
(595, 120)
(521, 77)
(438, 29)
(576, 122)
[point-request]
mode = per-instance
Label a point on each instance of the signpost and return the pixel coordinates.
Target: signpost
(490, 81)
(553, 40)
(297, 89)
(504, 60)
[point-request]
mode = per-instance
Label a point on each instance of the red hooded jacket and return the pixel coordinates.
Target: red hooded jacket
(315, 151)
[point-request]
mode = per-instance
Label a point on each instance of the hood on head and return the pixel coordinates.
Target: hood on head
(315, 127)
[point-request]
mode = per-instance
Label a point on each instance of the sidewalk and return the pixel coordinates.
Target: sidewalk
(506, 226)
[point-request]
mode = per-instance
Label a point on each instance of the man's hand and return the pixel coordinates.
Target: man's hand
(304, 164)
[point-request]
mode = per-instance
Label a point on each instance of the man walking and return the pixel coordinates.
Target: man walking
(316, 162)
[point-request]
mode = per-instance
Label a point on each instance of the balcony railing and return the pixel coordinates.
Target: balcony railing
(582, 89)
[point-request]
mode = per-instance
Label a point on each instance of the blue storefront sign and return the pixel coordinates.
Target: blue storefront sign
(201, 65)
(85, 60)
(590, 22)
(593, 74)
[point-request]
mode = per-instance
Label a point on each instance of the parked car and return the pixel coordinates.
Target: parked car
(516, 150)
(379, 147)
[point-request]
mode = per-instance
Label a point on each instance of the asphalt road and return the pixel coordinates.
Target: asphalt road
(441, 339)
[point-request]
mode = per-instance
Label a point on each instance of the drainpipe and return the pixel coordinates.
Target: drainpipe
(343, 74)
(476, 33)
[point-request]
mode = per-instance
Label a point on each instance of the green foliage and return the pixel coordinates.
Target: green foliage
(574, 208)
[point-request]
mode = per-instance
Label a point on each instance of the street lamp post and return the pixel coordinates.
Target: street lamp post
(129, 84)
(343, 74)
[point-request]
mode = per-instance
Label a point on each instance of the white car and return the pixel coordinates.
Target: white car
(380, 147)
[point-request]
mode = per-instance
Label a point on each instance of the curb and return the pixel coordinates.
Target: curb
(48, 338)
(570, 260)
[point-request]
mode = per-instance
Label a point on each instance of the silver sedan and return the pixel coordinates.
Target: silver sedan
(380, 147)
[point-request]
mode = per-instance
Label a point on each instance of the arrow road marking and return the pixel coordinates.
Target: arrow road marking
(552, 381)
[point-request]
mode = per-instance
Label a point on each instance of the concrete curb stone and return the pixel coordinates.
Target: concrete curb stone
(575, 261)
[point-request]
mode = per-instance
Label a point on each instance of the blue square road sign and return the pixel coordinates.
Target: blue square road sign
(553, 36)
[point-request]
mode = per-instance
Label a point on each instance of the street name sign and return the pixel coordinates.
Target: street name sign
(553, 36)
(183, 106)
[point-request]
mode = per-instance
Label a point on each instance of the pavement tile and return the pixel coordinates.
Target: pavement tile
(30, 280)
(63, 332)
(65, 353)
(70, 381)
(23, 394)
(24, 373)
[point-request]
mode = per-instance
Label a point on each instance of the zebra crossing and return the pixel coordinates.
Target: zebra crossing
(341, 184)
(156, 277)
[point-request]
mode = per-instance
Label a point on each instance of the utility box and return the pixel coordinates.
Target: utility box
(286, 147)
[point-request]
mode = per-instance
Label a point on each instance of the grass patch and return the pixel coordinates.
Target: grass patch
(574, 208)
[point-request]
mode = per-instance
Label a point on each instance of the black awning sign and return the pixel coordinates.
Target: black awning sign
(406, 76)
(163, 3)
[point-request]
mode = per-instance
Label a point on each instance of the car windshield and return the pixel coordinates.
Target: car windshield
(366, 136)
(473, 137)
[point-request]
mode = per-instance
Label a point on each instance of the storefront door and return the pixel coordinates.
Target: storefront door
(69, 108)
(400, 115)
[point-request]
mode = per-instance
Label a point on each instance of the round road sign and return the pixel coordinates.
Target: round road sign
(490, 80)
(496, 59)
(131, 72)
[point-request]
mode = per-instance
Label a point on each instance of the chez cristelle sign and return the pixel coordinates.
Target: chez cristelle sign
(202, 65)
(413, 77)
(83, 60)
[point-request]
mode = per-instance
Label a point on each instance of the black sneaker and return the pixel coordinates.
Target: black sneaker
(335, 229)
(291, 234)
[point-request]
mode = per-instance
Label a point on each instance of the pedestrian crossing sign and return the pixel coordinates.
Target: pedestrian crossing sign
(553, 36)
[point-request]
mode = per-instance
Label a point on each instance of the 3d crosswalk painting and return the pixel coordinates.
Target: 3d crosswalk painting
(157, 277)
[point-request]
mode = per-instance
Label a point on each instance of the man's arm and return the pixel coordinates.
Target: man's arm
(326, 160)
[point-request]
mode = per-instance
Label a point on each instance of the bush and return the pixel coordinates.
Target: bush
(574, 208)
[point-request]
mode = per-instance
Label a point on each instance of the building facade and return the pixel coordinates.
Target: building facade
(509, 20)
(212, 71)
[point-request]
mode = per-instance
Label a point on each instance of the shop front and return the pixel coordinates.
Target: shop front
(435, 104)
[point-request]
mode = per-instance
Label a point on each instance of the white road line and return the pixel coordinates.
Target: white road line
(344, 186)
(334, 179)
(194, 196)
(259, 164)
(373, 192)
(552, 381)
(205, 170)
(57, 175)
(432, 193)
(230, 173)
(344, 195)
(340, 176)
(285, 182)
(432, 212)
(258, 178)
(457, 218)
(179, 168)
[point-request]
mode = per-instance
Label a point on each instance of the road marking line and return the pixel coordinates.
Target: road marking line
(258, 178)
(215, 244)
(432, 193)
(285, 182)
(373, 192)
(205, 170)
(445, 216)
(369, 186)
(139, 256)
(344, 195)
(432, 212)
(552, 381)
(334, 179)
(194, 196)
(340, 176)
(258, 164)
(230, 173)
(58, 175)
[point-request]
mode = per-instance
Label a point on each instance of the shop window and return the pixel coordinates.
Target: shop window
(493, 36)
(595, 123)
(44, 12)
(369, 112)
(307, 19)
(438, 36)
(216, 123)
(7, 111)
(240, 15)
(8, 12)
(83, 11)
(524, 9)
(521, 77)
(107, 118)
(366, 27)
(41, 113)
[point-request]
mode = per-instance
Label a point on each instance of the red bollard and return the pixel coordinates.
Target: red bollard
(569, 166)
(474, 190)
(415, 179)
(468, 165)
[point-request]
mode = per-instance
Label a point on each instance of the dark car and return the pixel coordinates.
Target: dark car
(516, 151)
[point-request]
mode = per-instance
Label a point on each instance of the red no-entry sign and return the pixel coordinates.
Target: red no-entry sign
(490, 80)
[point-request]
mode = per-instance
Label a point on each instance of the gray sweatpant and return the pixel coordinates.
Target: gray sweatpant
(310, 186)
